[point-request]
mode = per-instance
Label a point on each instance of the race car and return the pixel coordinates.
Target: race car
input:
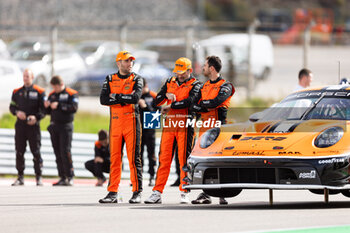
(302, 142)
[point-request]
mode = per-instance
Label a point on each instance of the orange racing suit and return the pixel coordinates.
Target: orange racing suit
(186, 95)
(215, 97)
(124, 126)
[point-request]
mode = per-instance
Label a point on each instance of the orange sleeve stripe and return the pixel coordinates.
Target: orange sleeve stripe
(161, 103)
(39, 89)
(17, 89)
(71, 91)
(153, 94)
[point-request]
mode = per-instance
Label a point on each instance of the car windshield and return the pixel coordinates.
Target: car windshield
(288, 110)
(329, 108)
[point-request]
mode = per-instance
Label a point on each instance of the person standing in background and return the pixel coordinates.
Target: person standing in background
(304, 79)
(62, 104)
(146, 103)
(27, 104)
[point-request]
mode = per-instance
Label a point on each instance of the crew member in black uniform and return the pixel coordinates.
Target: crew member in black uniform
(27, 104)
(147, 104)
(62, 103)
(102, 162)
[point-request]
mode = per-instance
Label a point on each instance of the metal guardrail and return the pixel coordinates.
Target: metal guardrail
(82, 151)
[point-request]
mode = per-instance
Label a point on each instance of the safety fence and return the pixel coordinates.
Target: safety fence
(82, 151)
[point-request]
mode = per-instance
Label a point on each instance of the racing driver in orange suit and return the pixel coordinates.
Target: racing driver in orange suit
(121, 92)
(215, 97)
(180, 93)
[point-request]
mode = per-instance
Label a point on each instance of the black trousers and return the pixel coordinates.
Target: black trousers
(176, 158)
(97, 169)
(61, 139)
(32, 134)
(149, 140)
(177, 163)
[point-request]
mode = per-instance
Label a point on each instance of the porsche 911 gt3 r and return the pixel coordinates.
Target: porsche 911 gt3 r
(301, 143)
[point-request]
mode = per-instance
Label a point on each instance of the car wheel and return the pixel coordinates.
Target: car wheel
(346, 192)
(40, 81)
(222, 192)
(321, 191)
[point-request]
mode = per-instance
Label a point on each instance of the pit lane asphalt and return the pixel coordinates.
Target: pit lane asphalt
(75, 209)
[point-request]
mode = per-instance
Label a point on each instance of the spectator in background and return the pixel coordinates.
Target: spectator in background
(101, 163)
(62, 104)
(146, 103)
(305, 78)
(27, 104)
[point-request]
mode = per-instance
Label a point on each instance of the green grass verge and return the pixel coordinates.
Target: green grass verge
(83, 123)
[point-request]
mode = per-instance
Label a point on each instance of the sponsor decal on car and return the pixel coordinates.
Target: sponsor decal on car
(248, 153)
(289, 153)
(263, 138)
(328, 152)
(215, 153)
(307, 175)
(319, 93)
(197, 174)
(332, 160)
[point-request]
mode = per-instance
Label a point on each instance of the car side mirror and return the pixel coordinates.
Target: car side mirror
(255, 116)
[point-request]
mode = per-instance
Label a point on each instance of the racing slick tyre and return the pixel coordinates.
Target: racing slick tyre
(321, 191)
(346, 192)
(226, 192)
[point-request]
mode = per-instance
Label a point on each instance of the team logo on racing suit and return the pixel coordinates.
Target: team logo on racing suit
(151, 120)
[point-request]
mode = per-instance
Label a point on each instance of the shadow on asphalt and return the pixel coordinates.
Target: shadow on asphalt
(235, 206)
(250, 206)
(61, 205)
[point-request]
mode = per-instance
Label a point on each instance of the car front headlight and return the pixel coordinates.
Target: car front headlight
(329, 137)
(209, 137)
